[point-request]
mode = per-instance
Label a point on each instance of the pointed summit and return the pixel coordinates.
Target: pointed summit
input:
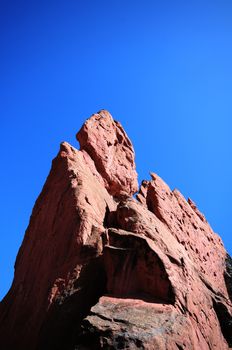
(108, 145)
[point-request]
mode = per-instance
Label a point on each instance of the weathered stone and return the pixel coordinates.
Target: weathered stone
(98, 269)
(112, 152)
(63, 234)
(119, 323)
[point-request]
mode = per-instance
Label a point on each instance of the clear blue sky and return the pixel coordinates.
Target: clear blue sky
(162, 68)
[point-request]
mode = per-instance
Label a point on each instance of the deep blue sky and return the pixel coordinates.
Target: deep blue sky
(162, 68)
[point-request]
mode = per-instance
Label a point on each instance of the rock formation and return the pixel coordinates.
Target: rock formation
(99, 269)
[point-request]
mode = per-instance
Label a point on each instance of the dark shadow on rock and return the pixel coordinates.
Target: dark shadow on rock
(128, 268)
(228, 275)
(64, 317)
(225, 320)
(134, 270)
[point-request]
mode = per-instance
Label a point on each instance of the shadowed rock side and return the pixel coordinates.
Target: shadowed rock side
(228, 275)
(98, 269)
(134, 269)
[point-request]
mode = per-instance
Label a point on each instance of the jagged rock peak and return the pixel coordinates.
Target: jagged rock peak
(108, 145)
(98, 269)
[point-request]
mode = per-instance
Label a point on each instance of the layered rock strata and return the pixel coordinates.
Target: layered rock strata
(99, 269)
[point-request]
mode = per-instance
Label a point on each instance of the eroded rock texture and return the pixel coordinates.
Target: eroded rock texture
(107, 144)
(99, 269)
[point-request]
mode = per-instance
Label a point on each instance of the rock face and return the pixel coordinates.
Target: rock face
(107, 144)
(99, 269)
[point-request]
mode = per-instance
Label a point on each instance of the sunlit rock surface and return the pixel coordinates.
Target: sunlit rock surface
(99, 269)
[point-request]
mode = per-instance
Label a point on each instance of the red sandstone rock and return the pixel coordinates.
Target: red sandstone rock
(193, 293)
(100, 270)
(112, 152)
(64, 231)
(121, 323)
